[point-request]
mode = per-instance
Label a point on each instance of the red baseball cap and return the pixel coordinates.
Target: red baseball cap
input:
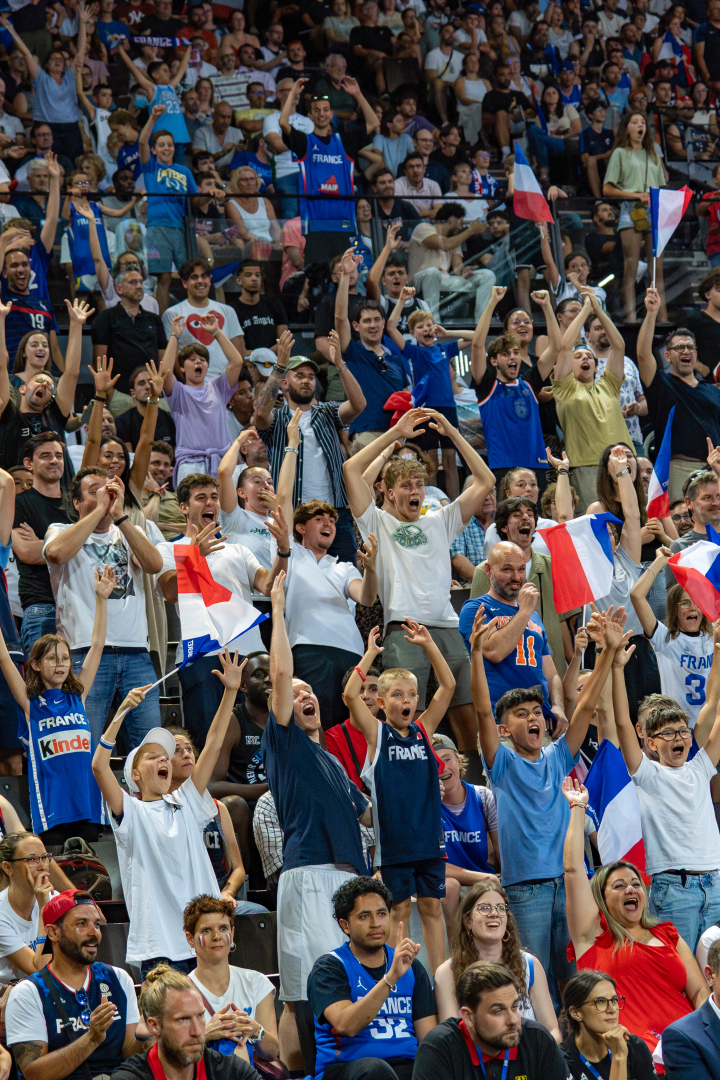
(63, 902)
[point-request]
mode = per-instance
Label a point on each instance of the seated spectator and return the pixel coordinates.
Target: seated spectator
(220, 138)
(706, 324)
(129, 424)
(435, 263)
(491, 1028)
(51, 697)
(505, 110)
(609, 922)
(442, 69)
(257, 155)
(239, 1002)
(253, 216)
(102, 1000)
(337, 26)
(470, 91)
(486, 931)
(597, 1037)
(168, 884)
(561, 123)
(421, 192)
(349, 1039)
(390, 148)
(371, 43)
(341, 103)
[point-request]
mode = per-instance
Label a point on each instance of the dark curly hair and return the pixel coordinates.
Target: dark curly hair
(508, 507)
(344, 898)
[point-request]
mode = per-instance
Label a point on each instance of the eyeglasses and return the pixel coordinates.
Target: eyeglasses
(521, 322)
(602, 1004)
(681, 348)
(669, 736)
(687, 516)
(81, 998)
(487, 909)
(34, 861)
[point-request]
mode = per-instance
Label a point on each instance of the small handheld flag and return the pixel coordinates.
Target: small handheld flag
(615, 808)
(697, 570)
(528, 201)
(582, 559)
(658, 500)
(666, 210)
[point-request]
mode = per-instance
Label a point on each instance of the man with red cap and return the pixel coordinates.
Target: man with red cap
(76, 1018)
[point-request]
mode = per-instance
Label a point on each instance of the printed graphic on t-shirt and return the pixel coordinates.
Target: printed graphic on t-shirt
(410, 536)
(114, 555)
(195, 327)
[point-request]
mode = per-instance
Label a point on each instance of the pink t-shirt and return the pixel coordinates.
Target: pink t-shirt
(291, 237)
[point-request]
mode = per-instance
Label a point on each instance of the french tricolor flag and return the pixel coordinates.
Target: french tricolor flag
(666, 210)
(697, 570)
(614, 808)
(210, 615)
(658, 500)
(528, 201)
(582, 559)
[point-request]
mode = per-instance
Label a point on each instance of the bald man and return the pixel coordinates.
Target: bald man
(517, 652)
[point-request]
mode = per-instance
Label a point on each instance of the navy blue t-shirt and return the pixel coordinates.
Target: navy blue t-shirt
(378, 378)
(129, 158)
(316, 803)
(434, 361)
(28, 313)
(38, 287)
(595, 143)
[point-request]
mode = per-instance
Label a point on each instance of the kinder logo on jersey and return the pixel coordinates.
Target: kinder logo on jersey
(72, 743)
(330, 187)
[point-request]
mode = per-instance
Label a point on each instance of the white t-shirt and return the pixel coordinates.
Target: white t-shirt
(11, 126)
(15, 933)
(318, 608)
(684, 663)
(316, 483)
(538, 544)
(413, 563)
(678, 821)
(25, 1019)
(448, 68)
(284, 164)
(73, 585)
(194, 333)
(163, 864)
(249, 529)
(246, 989)
(234, 567)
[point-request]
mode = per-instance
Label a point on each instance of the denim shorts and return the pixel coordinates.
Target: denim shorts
(165, 246)
(625, 221)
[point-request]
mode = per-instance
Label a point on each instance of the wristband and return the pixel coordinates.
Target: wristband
(385, 978)
(361, 674)
(125, 517)
(102, 399)
(563, 472)
(153, 400)
(107, 745)
(138, 1038)
(283, 554)
(259, 1037)
(290, 450)
(40, 940)
(623, 472)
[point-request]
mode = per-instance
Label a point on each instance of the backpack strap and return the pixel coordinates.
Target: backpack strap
(67, 1024)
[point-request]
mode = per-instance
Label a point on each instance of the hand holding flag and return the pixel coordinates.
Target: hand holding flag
(697, 570)
(528, 200)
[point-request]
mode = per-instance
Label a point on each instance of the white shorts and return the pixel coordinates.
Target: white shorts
(306, 927)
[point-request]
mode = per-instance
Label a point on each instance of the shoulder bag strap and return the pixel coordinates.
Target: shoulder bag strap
(354, 757)
(68, 1027)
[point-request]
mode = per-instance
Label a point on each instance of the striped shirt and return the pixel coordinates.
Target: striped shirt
(327, 425)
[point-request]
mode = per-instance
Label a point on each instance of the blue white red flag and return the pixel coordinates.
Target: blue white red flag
(582, 559)
(658, 500)
(666, 210)
(528, 201)
(615, 809)
(697, 569)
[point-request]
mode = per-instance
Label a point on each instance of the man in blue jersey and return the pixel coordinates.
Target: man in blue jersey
(517, 652)
(325, 168)
(98, 1000)
(17, 233)
(165, 217)
(372, 1004)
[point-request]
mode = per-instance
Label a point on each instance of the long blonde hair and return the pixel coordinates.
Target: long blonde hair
(598, 884)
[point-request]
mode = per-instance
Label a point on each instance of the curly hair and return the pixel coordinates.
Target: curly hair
(344, 898)
(205, 905)
(404, 470)
(462, 946)
(34, 684)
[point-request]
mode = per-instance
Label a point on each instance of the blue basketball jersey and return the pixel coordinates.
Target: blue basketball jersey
(466, 842)
(59, 749)
(405, 788)
(389, 1035)
(326, 169)
(103, 981)
(172, 119)
(511, 423)
(79, 241)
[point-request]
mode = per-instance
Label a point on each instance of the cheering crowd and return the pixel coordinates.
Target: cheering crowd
(236, 438)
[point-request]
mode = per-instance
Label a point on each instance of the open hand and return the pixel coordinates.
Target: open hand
(624, 652)
(277, 595)
(368, 552)
(293, 429)
(416, 634)
(209, 323)
(575, 793)
(206, 539)
(104, 585)
(104, 382)
(232, 669)
(157, 379)
(79, 312)
(285, 344)
(372, 645)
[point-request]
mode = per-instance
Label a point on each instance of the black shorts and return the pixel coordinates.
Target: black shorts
(426, 878)
(432, 438)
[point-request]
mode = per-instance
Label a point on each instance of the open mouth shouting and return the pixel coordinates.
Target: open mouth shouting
(308, 709)
(163, 771)
(535, 731)
(208, 516)
(414, 503)
(631, 904)
(525, 529)
(407, 713)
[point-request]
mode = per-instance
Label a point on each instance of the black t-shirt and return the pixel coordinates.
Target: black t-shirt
(604, 264)
(449, 163)
(30, 17)
(328, 983)
(378, 38)
(697, 413)
(505, 101)
(639, 1065)
(707, 336)
(131, 340)
(259, 322)
(154, 26)
(444, 1053)
(246, 760)
(128, 426)
(39, 512)
(16, 428)
(325, 315)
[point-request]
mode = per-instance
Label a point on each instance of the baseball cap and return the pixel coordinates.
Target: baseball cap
(567, 65)
(298, 361)
(155, 735)
(63, 902)
(443, 742)
(264, 360)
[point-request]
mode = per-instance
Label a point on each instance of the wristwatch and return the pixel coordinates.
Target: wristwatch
(259, 1037)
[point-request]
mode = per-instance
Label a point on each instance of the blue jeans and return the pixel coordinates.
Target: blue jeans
(38, 619)
(714, 259)
(692, 907)
(539, 913)
(288, 185)
(540, 143)
(118, 674)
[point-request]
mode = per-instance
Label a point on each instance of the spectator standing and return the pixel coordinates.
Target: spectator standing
(197, 280)
(129, 425)
(159, 504)
(286, 170)
(261, 317)
(686, 1042)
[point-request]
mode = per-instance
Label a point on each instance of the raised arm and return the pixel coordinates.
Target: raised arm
(639, 591)
(646, 362)
(355, 398)
(351, 87)
(564, 362)
(227, 492)
(288, 469)
(265, 397)
(440, 703)
(235, 359)
(167, 364)
(142, 76)
(546, 361)
(182, 68)
(13, 677)
(84, 17)
(353, 688)
(342, 322)
(5, 310)
(630, 540)
(290, 106)
(103, 587)
(230, 676)
(612, 639)
(359, 494)
(616, 359)
(627, 736)
(478, 355)
(141, 461)
(144, 137)
(281, 660)
(706, 716)
(551, 269)
(101, 269)
(65, 393)
(472, 498)
(583, 915)
(104, 385)
(406, 293)
(33, 64)
(52, 208)
(563, 493)
(487, 728)
(372, 285)
(110, 789)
